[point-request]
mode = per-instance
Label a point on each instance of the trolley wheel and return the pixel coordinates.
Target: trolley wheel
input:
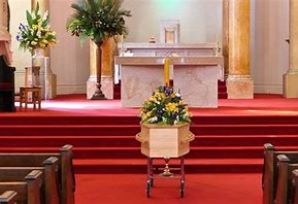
(182, 187)
(148, 189)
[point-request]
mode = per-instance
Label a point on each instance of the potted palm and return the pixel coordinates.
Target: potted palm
(98, 20)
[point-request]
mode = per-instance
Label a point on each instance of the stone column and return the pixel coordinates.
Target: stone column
(239, 81)
(3, 15)
(5, 38)
(108, 50)
(225, 43)
(48, 80)
(290, 79)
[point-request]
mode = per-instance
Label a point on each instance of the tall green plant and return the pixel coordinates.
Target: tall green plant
(98, 19)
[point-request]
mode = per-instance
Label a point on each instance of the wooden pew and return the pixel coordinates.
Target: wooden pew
(285, 188)
(28, 190)
(49, 191)
(270, 171)
(8, 197)
(295, 183)
(66, 180)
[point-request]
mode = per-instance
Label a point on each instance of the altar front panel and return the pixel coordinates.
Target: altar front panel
(138, 83)
(197, 84)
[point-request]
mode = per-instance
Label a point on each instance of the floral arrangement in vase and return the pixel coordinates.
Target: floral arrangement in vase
(37, 34)
(165, 107)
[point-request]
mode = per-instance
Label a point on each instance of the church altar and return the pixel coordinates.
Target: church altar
(163, 49)
(195, 78)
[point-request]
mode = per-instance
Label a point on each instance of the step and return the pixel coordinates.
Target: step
(130, 141)
(69, 120)
(134, 120)
(245, 140)
(77, 141)
(191, 165)
(134, 152)
(247, 129)
(51, 130)
(245, 119)
(117, 130)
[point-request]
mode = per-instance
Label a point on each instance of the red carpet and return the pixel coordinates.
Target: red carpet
(200, 188)
(228, 139)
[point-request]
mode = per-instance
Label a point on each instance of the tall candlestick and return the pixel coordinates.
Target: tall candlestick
(167, 62)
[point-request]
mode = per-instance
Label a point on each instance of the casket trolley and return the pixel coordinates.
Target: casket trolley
(167, 142)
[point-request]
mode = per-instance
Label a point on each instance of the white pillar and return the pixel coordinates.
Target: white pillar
(291, 77)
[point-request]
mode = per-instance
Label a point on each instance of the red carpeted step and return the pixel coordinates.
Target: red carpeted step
(191, 165)
(246, 140)
(48, 130)
(134, 152)
(109, 130)
(246, 119)
(238, 139)
(134, 120)
(130, 141)
(77, 141)
(69, 120)
(245, 129)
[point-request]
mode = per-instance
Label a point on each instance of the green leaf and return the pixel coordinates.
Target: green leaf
(98, 19)
(37, 9)
(29, 18)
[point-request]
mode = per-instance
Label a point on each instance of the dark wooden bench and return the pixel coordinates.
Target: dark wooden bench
(49, 191)
(27, 189)
(295, 183)
(270, 171)
(8, 197)
(66, 180)
(285, 188)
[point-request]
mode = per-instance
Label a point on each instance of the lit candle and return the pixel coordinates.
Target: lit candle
(167, 62)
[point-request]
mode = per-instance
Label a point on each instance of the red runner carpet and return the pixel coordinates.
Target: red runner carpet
(200, 189)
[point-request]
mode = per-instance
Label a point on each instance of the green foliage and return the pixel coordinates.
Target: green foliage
(37, 33)
(98, 19)
(165, 107)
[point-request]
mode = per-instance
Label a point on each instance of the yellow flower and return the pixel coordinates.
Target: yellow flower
(45, 41)
(34, 27)
(42, 45)
(171, 107)
(160, 96)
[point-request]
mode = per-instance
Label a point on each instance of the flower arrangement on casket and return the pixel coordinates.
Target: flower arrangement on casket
(165, 107)
(37, 34)
(165, 121)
